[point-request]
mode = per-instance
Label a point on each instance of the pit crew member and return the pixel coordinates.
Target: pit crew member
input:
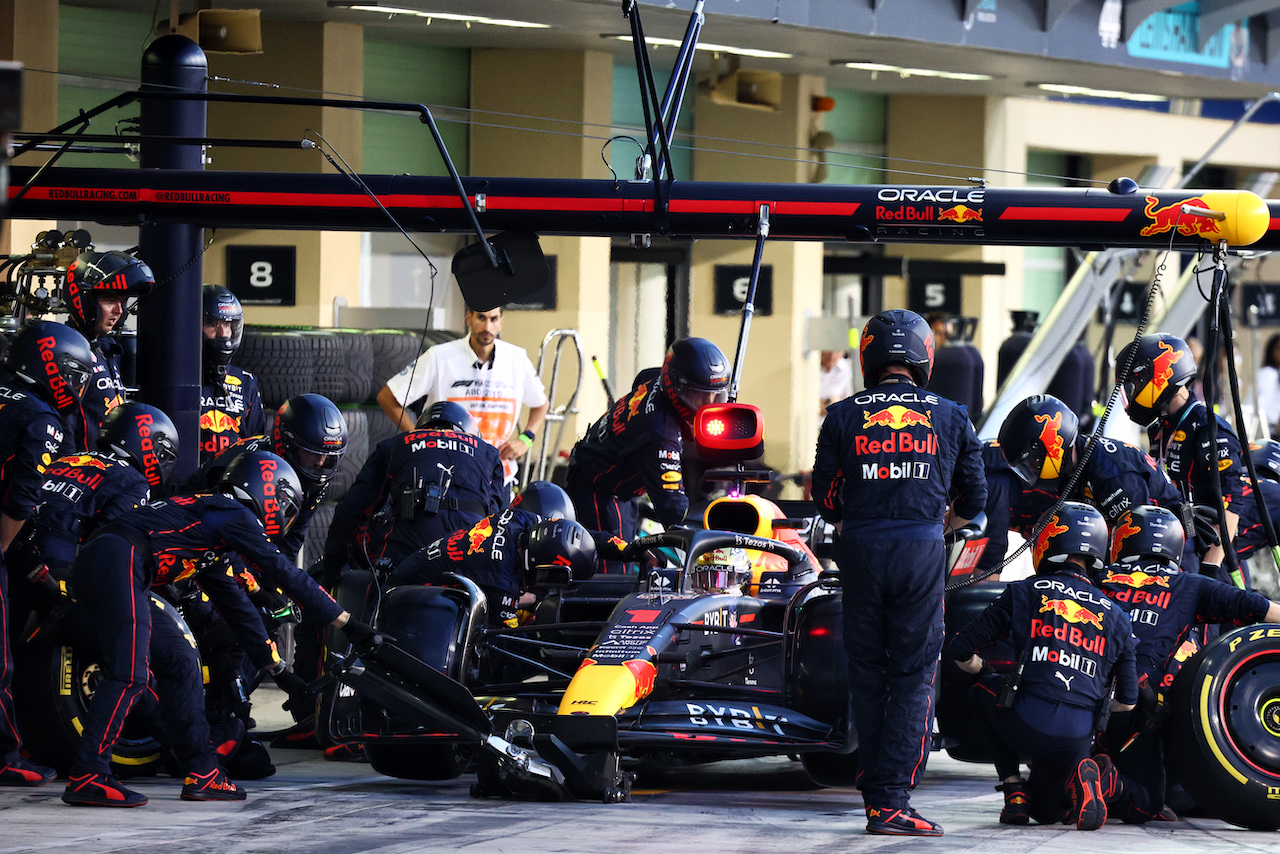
(888, 461)
(230, 404)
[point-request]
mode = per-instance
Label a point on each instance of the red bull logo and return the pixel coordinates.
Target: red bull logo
(84, 461)
(961, 213)
(480, 532)
(897, 418)
(1122, 532)
(217, 421)
(1050, 531)
(633, 403)
(270, 503)
(1171, 217)
(1071, 611)
(645, 673)
(63, 396)
(1051, 438)
(1162, 369)
(1137, 579)
(862, 345)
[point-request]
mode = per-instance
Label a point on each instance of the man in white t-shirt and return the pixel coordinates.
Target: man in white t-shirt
(490, 378)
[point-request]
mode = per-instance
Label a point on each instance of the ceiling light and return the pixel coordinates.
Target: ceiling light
(914, 72)
(1110, 94)
(443, 16)
(713, 48)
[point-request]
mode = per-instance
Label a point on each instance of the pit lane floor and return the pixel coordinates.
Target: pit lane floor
(756, 806)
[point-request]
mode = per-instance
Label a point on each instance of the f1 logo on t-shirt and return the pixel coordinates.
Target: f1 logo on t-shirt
(895, 471)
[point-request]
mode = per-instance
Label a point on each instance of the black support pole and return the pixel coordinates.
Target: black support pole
(169, 321)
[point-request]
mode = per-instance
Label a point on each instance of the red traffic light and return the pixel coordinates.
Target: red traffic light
(729, 432)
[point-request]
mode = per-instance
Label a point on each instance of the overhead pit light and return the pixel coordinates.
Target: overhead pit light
(712, 48)
(442, 16)
(913, 72)
(1110, 94)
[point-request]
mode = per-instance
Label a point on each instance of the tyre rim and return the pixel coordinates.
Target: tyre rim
(1251, 711)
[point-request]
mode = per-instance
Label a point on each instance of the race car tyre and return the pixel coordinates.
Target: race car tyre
(281, 360)
(329, 364)
(353, 459)
(960, 734)
(1223, 737)
(392, 349)
(54, 681)
(378, 425)
(357, 357)
(357, 593)
(831, 770)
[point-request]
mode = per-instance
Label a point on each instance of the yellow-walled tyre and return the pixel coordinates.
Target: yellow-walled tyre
(1222, 741)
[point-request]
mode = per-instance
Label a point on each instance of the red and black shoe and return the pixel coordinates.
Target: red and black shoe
(905, 822)
(1088, 808)
(213, 786)
(100, 790)
(20, 772)
(1017, 806)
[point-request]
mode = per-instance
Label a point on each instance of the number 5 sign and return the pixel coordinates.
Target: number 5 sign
(263, 275)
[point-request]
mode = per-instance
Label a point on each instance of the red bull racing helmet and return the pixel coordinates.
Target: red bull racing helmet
(898, 337)
(447, 415)
(145, 437)
(311, 434)
(1076, 529)
(94, 273)
(1266, 458)
(545, 499)
(266, 484)
(694, 374)
(1147, 533)
(1162, 364)
(721, 570)
(222, 306)
(561, 543)
(1037, 438)
(53, 360)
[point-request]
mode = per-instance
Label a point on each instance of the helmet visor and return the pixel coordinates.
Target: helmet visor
(315, 466)
(696, 398)
(76, 373)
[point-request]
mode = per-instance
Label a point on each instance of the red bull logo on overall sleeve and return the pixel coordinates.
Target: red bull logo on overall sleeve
(1171, 216)
(633, 403)
(479, 532)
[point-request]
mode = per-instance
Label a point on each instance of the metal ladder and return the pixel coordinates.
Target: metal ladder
(539, 465)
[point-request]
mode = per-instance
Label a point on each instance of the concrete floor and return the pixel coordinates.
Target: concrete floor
(757, 806)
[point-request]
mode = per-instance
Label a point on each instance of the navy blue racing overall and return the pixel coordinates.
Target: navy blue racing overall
(1165, 606)
(229, 411)
(1070, 640)
(889, 462)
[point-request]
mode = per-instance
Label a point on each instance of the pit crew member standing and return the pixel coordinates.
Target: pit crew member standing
(48, 366)
(1165, 606)
(415, 488)
(1157, 396)
(635, 447)
(230, 404)
(157, 544)
(490, 378)
(888, 461)
(98, 287)
(1069, 639)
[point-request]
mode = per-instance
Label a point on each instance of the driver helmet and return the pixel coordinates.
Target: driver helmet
(546, 500)
(1076, 529)
(896, 336)
(94, 273)
(721, 570)
(53, 360)
(1266, 458)
(1148, 533)
(1037, 438)
(266, 484)
(562, 542)
(311, 434)
(447, 415)
(1162, 364)
(143, 436)
(695, 373)
(221, 306)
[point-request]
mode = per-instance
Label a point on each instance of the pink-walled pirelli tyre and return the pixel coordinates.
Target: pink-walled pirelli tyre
(1222, 741)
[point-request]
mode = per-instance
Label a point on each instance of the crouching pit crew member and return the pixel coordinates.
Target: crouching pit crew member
(888, 460)
(48, 366)
(1070, 641)
(156, 544)
(635, 447)
(1165, 607)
